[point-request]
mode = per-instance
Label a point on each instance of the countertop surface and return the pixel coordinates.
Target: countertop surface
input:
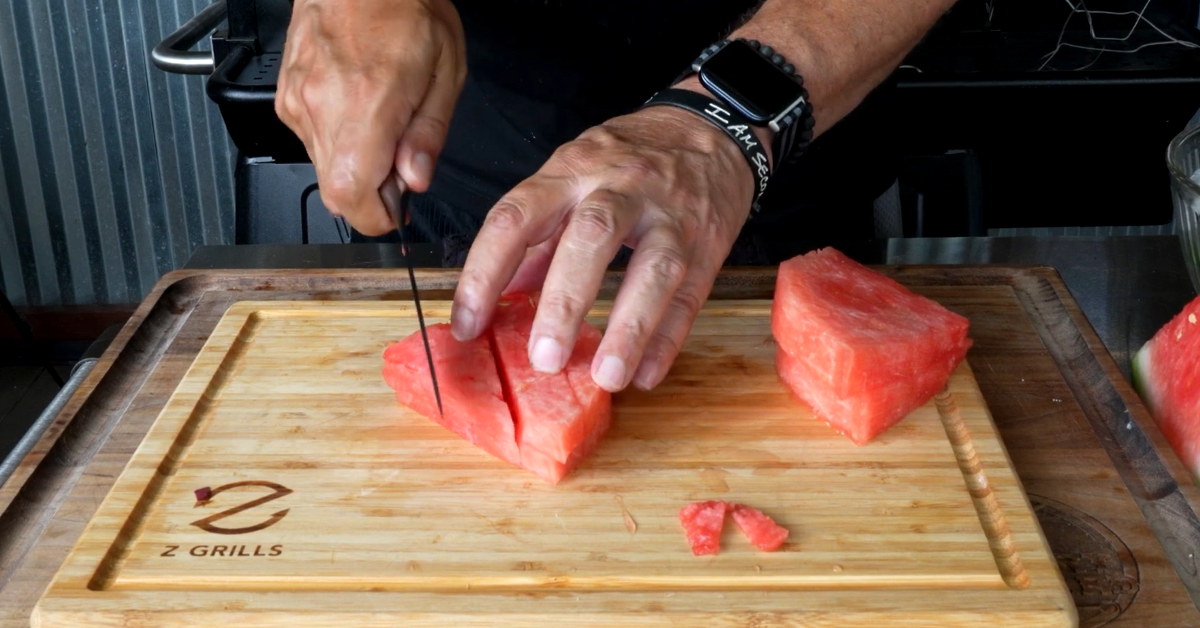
(1088, 456)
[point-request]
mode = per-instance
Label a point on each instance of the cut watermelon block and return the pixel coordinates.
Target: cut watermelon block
(472, 396)
(492, 397)
(702, 522)
(859, 348)
(762, 530)
(1166, 373)
(556, 414)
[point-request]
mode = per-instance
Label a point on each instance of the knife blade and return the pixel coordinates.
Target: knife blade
(394, 194)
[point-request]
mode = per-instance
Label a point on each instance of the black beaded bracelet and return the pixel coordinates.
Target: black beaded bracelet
(732, 123)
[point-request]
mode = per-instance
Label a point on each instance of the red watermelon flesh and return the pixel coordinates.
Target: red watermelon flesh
(472, 397)
(859, 348)
(1166, 372)
(702, 523)
(492, 397)
(555, 413)
(762, 530)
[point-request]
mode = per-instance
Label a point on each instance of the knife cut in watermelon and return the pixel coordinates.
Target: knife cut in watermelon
(555, 413)
(702, 523)
(492, 397)
(472, 396)
(762, 530)
(1166, 373)
(859, 348)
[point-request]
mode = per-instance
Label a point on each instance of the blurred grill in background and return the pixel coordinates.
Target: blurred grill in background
(1015, 118)
(113, 171)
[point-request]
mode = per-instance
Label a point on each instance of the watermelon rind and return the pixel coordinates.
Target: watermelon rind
(1166, 375)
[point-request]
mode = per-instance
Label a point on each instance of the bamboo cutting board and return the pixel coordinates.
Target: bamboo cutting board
(332, 504)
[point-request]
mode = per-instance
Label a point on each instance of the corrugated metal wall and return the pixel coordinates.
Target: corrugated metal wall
(113, 171)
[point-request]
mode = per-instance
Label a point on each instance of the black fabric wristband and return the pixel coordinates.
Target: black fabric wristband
(732, 123)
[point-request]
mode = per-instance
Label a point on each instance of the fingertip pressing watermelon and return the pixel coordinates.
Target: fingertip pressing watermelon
(554, 413)
(762, 530)
(492, 397)
(1166, 373)
(859, 348)
(702, 523)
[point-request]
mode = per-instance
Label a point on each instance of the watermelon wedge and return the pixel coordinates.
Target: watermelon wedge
(492, 397)
(859, 348)
(1166, 373)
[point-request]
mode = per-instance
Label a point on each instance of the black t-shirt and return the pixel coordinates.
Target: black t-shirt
(541, 72)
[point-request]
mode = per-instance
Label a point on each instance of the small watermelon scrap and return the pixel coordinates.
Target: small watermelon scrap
(1166, 373)
(703, 522)
(762, 530)
(859, 348)
(492, 397)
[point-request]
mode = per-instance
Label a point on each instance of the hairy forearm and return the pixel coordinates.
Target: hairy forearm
(842, 48)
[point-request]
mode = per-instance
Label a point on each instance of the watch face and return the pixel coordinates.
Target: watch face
(751, 84)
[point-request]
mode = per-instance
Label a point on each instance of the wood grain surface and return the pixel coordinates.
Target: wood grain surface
(1089, 457)
(284, 410)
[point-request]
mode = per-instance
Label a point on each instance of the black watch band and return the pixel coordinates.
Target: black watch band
(792, 124)
(737, 127)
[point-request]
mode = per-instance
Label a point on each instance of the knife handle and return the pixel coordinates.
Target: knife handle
(391, 192)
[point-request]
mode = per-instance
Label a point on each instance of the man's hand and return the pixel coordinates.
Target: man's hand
(662, 181)
(369, 87)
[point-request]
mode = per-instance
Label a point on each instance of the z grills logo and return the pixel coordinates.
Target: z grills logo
(210, 524)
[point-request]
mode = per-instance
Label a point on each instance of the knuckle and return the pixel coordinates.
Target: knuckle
(599, 134)
(286, 108)
(471, 280)
(688, 303)
(663, 346)
(640, 164)
(596, 222)
(282, 110)
(561, 306)
(338, 193)
(310, 94)
(508, 215)
(429, 128)
(667, 265)
(577, 151)
(634, 328)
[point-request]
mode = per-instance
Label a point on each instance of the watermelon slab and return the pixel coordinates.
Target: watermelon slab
(492, 397)
(1166, 373)
(859, 348)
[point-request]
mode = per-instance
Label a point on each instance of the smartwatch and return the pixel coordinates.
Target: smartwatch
(758, 83)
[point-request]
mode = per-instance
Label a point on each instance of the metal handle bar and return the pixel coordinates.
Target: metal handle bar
(172, 54)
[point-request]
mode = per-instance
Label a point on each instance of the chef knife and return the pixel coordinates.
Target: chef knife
(395, 198)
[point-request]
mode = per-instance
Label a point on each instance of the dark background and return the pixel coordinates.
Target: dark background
(1003, 129)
